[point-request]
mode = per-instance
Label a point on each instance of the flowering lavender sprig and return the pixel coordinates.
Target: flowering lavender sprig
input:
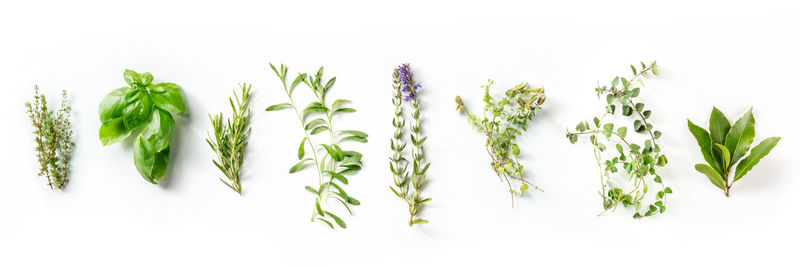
(404, 83)
(53, 135)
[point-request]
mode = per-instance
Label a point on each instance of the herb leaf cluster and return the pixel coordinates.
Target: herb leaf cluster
(638, 162)
(230, 138)
(725, 145)
(407, 187)
(502, 122)
(147, 109)
(332, 163)
(53, 135)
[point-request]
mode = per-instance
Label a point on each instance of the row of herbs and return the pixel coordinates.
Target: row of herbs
(628, 172)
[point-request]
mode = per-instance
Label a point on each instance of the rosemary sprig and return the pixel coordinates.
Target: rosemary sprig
(230, 138)
(509, 118)
(333, 164)
(53, 136)
(639, 161)
(403, 82)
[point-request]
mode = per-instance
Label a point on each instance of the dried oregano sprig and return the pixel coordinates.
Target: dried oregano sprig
(335, 164)
(230, 138)
(639, 161)
(506, 119)
(408, 189)
(53, 136)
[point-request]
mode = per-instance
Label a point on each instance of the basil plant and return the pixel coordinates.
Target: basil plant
(146, 110)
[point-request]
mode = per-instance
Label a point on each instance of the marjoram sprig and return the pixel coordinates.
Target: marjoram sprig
(333, 164)
(53, 136)
(505, 121)
(230, 138)
(640, 162)
(408, 189)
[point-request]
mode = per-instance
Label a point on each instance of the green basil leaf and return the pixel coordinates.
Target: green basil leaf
(741, 136)
(138, 109)
(169, 97)
(113, 104)
(758, 152)
(145, 79)
(161, 128)
(151, 164)
(113, 131)
(131, 78)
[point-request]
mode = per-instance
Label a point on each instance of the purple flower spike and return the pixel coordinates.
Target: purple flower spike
(407, 79)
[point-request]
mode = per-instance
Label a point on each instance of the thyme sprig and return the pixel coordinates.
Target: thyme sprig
(640, 161)
(230, 138)
(333, 164)
(408, 189)
(506, 120)
(53, 136)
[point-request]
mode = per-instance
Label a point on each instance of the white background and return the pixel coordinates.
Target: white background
(732, 54)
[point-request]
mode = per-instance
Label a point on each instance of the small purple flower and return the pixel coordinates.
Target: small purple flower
(407, 79)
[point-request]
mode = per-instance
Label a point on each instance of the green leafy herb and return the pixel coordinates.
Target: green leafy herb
(502, 122)
(725, 145)
(147, 109)
(408, 189)
(230, 138)
(332, 163)
(53, 135)
(636, 162)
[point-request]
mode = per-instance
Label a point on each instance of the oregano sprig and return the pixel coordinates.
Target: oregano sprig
(53, 136)
(502, 122)
(332, 163)
(725, 144)
(147, 109)
(230, 138)
(408, 188)
(639, 161)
